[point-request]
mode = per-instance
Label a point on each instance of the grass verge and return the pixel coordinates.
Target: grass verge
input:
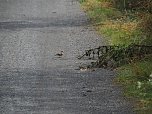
(136, 79)
(124, 28)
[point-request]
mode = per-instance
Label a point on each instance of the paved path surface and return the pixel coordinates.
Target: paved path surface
(33, 80)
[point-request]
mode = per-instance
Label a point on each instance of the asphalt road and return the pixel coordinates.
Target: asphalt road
(33, 80)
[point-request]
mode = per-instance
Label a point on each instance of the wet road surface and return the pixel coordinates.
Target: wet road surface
(33, 80)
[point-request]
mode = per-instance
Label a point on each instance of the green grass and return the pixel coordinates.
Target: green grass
(121, 37)
(81, 1)
(137, 82)
(99, 15)
(122, 28)
(102, 14)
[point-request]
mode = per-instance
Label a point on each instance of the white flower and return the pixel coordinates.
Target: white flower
(150, 81)
(150, 75)
(138, 85)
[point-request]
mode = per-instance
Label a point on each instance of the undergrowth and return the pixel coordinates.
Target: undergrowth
(119, 27)
(125, 22)
(136, 79)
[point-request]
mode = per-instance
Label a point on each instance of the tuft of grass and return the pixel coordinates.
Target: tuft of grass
(102, 14)
(90, 4)
(121, 33)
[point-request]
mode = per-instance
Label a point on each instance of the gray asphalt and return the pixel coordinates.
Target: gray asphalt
(33, 80)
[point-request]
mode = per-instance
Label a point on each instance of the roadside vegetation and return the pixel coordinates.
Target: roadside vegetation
(127, 22)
